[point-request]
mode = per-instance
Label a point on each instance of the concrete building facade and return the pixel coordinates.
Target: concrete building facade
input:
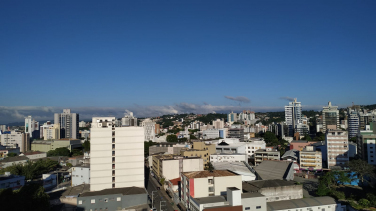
(266, 154)
(337, 148)
(293, 114)
(330, 117)
(31, 127)
(80, 175)
(68, 123)
(14, 139)
(149, 129)
(116, 155)
(366, 146)
(310, 159)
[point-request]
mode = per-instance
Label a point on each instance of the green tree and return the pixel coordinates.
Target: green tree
(364, 202)
(362, 169)
(353, 139)
(86, 145)
(62, 151)
(183, 140)
(192, 137)
(172, 138)
(77, 152)
(270, 138)
(307, 137)
(12, 154)
(148, 144)
(69, 165)
(210, 167)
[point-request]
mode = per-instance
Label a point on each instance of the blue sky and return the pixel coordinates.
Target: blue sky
(130, 54)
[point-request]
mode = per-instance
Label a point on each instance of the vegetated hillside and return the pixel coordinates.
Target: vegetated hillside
(208, 118)
(370, 107)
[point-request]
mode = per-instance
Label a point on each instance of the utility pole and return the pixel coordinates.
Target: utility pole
(152, 198)
(160, 205)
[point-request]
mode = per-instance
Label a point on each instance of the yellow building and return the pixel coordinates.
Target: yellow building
(201, 145)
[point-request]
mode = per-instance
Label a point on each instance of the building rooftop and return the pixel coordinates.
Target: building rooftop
(203, 174)
(300, 203)
(175, 181)
(111, 191)
(210, 199)
(269, 169)
(301, 141)
(33, 153)
(236, 167)
(255, 186)
(251, 195)
(14, 159)
(291, 153)
(264, 150)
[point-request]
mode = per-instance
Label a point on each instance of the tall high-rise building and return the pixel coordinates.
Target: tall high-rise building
(232, 117)
(15, 139)
(353, 123)
(337, 147)
(129, 120)
(149, 127)
(68, 124)
(330, 117)
(293, 115)
(31, 127)
(218, 124)
(116, 155)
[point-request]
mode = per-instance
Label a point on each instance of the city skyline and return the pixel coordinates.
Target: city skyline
(176, 57)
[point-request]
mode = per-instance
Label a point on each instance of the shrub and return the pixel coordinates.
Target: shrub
(338, 195)
(364, 202)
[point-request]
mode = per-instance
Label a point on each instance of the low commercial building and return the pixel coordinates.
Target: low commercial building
(171, 148)
(11, 181)
(266, 154)
(228, 157)
(34, 155)
(291, 155)
(207, 183)
(310, 159)
(80, 175)
(171, 166)
(224, 147)
(9, 161)
(274, 190)
(114, 199)
(45, 146)
(325, 203)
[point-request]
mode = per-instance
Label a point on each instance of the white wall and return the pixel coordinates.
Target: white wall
(80, 175)
(193, 165)
(170, 169)
(228, 157)
(222, 183)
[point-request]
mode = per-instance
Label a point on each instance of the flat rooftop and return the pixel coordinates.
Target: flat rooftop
(210, 199)
(300, 203)
(111, 191)
(203, 174)
(255, 186)
(251, 195)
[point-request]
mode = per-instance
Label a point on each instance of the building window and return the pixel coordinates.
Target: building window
(80, 202)
(113, 172)
(93, 201)
(118, 199)
(258, 207)
(247, 208)
(113, 153)
(113, 185)
(113, 166)
(113, 160)
(105, 200)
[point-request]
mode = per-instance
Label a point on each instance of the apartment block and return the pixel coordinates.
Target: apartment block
(366, 145)
(310, 159)
(353, 123)
(171, 148)
(14, 139)
(210, 134)
(337, 147)
(205, 183)
(171, 166)
(254, 145)
(32, 127)
(68, 123)
(232, 117)
(218, 124)
(149, 127)
(236, 133)
(116, 155)
(330, 117)
(266, 154)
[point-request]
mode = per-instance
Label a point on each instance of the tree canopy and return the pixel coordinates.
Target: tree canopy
(363, 170)
(29, 197)
(31, 169)
(62, 151)
(12, 154)
(86, 145)
(172, 138)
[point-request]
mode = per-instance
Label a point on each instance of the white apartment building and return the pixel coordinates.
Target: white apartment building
(218, 124)
(30, 126)
(116, 155)
(171, 166)
(3, 128)
(51, 132)
(82, 124)
(337, 147)
(293, 114)
(68, 123)
(232, 117)
(149, 129)
(15, 139)
(205, 183)
(80, 175)
(129, 119)
(228, 157)
(254, 145)
(210, 134)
